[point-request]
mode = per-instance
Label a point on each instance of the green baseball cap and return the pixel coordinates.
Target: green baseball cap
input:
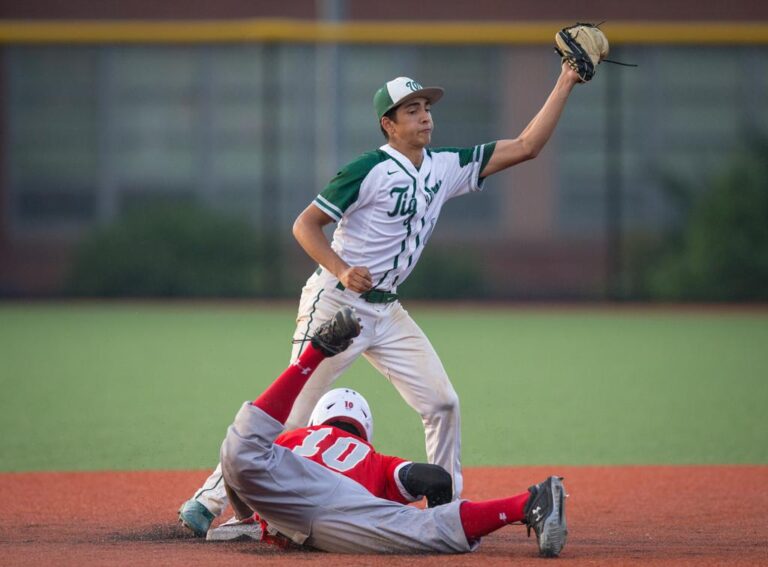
(400, 90)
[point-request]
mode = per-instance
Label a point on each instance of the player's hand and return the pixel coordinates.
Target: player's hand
(357, 279)
(569, 74)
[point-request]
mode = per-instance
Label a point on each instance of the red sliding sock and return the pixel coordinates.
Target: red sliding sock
(481, 518)
(277, 400)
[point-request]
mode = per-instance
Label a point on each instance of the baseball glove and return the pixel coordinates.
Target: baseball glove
(583, 47)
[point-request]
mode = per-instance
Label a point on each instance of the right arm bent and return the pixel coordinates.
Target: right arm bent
(308, 230)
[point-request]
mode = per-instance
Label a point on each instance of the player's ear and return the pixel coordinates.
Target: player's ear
(386, 125)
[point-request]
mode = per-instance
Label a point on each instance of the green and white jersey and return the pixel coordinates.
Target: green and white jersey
(386, 209)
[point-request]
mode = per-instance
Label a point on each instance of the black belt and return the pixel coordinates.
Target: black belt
(372, 295)
(378, 296)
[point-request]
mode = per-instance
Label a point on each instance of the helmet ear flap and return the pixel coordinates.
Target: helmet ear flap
(349, 426)
(347, 406)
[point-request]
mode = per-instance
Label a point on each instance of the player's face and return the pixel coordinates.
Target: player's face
(413, 123)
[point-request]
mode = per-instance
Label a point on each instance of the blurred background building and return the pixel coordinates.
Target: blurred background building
(246, 109)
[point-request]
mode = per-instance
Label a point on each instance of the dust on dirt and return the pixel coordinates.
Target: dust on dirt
(644, 515)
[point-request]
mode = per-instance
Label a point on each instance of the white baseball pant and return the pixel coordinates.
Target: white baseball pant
(395, 345)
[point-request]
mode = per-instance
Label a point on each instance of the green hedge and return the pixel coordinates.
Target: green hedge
(167, 251)
(443, 273)
(722, 253)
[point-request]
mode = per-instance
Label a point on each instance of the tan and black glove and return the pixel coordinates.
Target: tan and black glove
(583, 47)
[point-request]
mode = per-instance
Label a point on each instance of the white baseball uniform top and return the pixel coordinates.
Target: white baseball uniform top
(386, 210)
(396, 206)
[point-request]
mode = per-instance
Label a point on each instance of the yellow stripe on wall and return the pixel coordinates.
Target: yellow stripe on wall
(405, 32)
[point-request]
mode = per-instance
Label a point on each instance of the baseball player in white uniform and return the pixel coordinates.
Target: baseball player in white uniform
(317, 487)
(386, 203)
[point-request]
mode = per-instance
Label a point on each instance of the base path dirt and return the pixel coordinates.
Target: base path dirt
(616, 516)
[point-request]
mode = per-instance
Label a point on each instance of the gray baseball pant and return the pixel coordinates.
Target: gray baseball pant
(315, 506)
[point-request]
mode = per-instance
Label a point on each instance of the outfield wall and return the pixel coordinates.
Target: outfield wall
(253, 116)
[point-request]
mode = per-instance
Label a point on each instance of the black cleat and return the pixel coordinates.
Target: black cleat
(335, 336)
(545, 514)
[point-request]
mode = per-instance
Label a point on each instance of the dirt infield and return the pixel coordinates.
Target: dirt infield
(617, 515)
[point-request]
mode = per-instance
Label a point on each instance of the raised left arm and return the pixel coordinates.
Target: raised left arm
(535, 136)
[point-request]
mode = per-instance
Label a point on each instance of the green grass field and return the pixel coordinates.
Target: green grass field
(154, 386)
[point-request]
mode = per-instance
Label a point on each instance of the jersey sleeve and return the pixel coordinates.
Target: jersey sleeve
(345, 188)
(394, 489)
(464, 166)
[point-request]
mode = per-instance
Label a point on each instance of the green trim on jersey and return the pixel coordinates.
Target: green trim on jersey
(407, 224)
(468, 155)
(344, 188)
(488, 150)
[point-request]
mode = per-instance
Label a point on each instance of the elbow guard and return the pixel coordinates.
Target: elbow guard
(431, 481)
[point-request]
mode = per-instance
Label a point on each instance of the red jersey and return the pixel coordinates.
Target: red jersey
(351, 456)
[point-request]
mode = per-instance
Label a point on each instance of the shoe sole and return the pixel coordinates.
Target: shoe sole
(554, 531)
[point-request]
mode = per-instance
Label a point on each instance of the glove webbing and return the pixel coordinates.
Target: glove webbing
(561, 54)
(585, 68)
(606, 60)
